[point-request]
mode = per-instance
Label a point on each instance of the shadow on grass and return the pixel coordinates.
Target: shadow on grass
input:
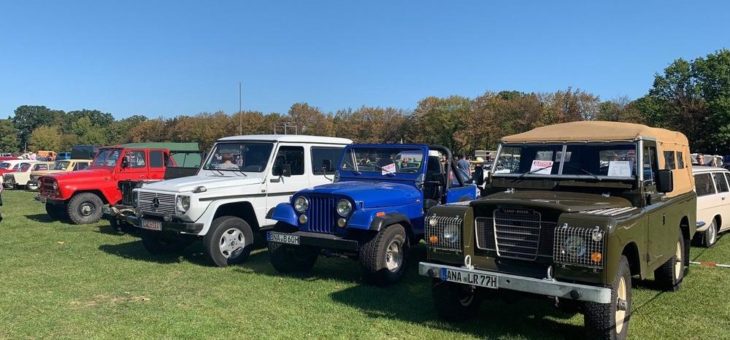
(42, 218)
(135, 251)
(125, 230)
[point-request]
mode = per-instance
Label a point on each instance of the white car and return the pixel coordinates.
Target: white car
(13, 165)
(231, 197)
(713, 202)
(21, 177)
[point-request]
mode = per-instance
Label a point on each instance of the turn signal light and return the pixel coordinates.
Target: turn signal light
(596, 257)
(433, 239)
(380, 213)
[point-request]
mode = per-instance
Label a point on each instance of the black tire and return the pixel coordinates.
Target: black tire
(384, 266)
(453, 301)
(289, 259)
(602, 320)
(670, 275)
(85, 208)
(55, 212)
(9, 185)
(160, 243)
(229, 241)
(709, 237)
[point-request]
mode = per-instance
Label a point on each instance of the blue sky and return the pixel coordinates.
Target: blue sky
(164, 58)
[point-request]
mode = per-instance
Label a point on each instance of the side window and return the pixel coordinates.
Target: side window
(680, 160)
(81, 166)
(649, 164)
(292, 156)
(720, 182)
(156, 159)
(324, 160)
(135, 159)
(703, 185)
(24, 167)
(669, 162)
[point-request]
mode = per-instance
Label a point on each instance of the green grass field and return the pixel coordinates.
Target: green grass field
(65, 281)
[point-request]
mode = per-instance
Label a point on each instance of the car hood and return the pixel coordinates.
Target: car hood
(46, 172)
(563, 201)
(187, 184)
(371, 194)
(83, 175)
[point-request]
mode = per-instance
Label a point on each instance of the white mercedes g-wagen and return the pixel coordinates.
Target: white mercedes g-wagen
(239, 184)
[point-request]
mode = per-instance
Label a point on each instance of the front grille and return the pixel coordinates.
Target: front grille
(515, 234)
(321, 215)
(435, 234)
(578, 251)
(46, 188)
(166, 203)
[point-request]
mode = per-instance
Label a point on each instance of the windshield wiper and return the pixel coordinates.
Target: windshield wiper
(584, 171)
(214, 169)
(534, 171)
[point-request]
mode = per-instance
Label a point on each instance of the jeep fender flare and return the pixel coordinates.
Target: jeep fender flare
(380, 222)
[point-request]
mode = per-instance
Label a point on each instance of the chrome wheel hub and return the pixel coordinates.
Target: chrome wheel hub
(393, 256)
(231, 243)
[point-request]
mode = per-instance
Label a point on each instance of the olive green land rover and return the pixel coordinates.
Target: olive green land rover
(572, 211)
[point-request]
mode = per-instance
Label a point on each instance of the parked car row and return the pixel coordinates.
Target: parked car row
(569, 211)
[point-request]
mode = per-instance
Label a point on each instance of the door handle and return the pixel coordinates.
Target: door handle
(723, 198)
(274, 180)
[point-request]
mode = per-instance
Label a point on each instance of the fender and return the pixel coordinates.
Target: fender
(284, 212)
(379, 222)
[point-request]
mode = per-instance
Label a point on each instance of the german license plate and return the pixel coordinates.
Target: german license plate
(465, 277)
(277, 237)
(152, 224)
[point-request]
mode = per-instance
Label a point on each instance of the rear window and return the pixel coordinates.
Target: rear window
(669, 162)
(703, 185)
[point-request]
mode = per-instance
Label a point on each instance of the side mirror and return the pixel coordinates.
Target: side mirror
(664, 181)
(326, 165)
(125, 163)
(478, 175)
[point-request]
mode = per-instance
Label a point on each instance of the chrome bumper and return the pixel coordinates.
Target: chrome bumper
(547, 287)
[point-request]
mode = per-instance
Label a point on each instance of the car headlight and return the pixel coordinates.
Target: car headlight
(135, 198)
(451, 234)
(301, 204)
(182, 203)
(344, 207)
(55, 185)
(575, 246)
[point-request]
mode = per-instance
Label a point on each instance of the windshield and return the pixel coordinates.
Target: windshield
(61, 165)
(383, 160)
(247, 157)
(594, 160)
(106, 157)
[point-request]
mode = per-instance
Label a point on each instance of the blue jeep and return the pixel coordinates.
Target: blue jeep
(372, 212)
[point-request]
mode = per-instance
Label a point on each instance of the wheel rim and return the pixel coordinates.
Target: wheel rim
(713, 234)
(231, 243)
(86, 209)
(621, 305)
(678, 262)
(393, 256)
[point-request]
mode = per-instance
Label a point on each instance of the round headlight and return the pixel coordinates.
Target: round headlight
(301, 204)
(574, 246)
(451, 234)
(183, 203)
(344, 208)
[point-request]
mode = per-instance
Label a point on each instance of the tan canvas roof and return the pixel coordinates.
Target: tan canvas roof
(584, 131)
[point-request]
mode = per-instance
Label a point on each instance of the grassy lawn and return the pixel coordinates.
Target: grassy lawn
(60, 281)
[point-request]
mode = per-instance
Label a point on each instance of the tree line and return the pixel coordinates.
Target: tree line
(689, 96)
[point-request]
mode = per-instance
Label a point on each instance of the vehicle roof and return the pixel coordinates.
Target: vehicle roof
(603, 131)
(702, 169)
(164, 145)
(289, 138)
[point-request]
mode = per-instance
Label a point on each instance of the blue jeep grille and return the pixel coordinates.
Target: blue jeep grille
(321, 214)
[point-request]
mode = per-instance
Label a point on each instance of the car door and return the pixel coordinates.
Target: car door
(707, 197)
(287, 175)
(459, 190)
(134, 165)
(323, 163)
(658, 231)
(723, 200)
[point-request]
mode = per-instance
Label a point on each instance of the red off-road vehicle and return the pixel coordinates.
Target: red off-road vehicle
(81, 195)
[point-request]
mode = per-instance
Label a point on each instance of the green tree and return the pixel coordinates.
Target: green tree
(8, 136)
(45, 138)
(29, 117)
(309, 120)
(88, 132)
(441, 121)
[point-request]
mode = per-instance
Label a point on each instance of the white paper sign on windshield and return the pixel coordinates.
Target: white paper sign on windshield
(541, 167)
(388, 169)
(619, 168)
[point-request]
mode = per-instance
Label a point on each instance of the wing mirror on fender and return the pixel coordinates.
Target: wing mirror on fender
(665, 181)
(125, 163)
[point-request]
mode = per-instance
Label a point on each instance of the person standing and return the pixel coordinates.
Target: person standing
(463, 164)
